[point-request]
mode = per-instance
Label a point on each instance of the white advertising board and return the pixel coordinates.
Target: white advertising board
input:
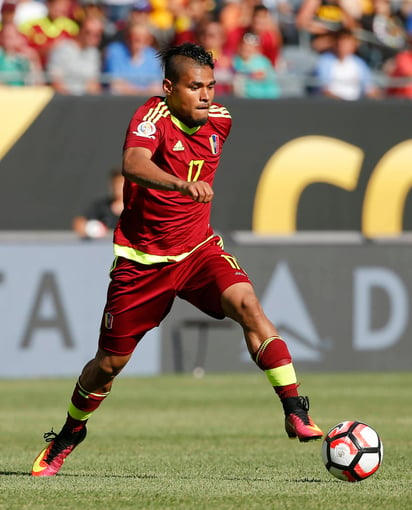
(51, 301)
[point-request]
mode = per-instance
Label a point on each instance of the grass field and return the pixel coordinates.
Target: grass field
(175, 442)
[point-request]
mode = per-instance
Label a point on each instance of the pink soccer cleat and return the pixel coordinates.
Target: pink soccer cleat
(50, 459)
(297, 422)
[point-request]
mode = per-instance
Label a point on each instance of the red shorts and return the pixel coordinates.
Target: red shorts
(140, 296)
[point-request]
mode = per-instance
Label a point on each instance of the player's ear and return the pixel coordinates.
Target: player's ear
(167, 86)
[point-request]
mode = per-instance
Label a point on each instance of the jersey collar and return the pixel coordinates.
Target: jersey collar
(183, 127)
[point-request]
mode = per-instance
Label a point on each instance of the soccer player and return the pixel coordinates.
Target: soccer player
(165, 247)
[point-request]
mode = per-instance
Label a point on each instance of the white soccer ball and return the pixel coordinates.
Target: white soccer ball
(352, 451)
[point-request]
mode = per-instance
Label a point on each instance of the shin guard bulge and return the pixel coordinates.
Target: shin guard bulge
(274, 359)
(83, 404)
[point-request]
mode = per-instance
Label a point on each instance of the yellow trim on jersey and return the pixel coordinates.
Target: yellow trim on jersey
(183, 127)
(159, 111)
(219, 111)
(281, 376)
(162, 110)
(141, 257)
(114, 264)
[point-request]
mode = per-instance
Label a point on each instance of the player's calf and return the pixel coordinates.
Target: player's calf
(274, 359)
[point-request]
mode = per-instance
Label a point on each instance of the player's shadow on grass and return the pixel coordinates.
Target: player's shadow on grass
(308, 480)
(74, 475)
(148, 476)
(15, 473)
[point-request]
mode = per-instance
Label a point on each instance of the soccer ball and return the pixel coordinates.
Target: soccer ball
(352, 451)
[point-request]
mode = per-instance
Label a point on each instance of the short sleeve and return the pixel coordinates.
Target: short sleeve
(142, 131)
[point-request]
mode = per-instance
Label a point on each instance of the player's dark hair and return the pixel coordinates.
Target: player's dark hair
(171, 62)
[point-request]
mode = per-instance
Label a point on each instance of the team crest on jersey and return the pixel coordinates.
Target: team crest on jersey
(214, 143)
(108, 320)
(146, 129)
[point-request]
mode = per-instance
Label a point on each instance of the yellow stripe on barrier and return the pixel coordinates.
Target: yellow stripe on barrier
(19, 108)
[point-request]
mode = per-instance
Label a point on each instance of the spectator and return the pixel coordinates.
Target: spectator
(212, 37)
(117, 10)
(399, 69)
(132, 66)
(404, 13)
(28, 10)
(267, 31)
(8, 12)
(95, 9)
(141, 13)
(43, 33)
(165, 19)
(254, 74)
(89, 9)
(236, 18)
(342, 74)
(19, 64)
(321, 18)
(356, 8)
(14, 66)
(164, 12)
(284, 13)
(383, 34)
(160, 16)
(102, 215)
(189, 20)
(74, 65)
(138, 15)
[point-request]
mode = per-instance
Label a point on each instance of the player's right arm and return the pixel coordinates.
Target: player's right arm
(138, 167)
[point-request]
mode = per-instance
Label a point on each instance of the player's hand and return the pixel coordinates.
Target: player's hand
(199, 191)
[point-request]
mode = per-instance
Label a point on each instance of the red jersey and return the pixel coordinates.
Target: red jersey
(158, 225)
(402, 69)
(43, 33)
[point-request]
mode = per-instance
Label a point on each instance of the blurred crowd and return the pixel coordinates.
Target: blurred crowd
(346, 49)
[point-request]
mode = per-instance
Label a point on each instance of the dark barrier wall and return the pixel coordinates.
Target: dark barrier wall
(335, 165)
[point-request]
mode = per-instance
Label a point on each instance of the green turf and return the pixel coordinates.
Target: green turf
(175, 442)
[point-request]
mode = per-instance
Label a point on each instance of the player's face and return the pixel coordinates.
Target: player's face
(189, 99)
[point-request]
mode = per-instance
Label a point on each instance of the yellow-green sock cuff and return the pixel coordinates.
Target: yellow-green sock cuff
(77, 414)
(281, 376)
